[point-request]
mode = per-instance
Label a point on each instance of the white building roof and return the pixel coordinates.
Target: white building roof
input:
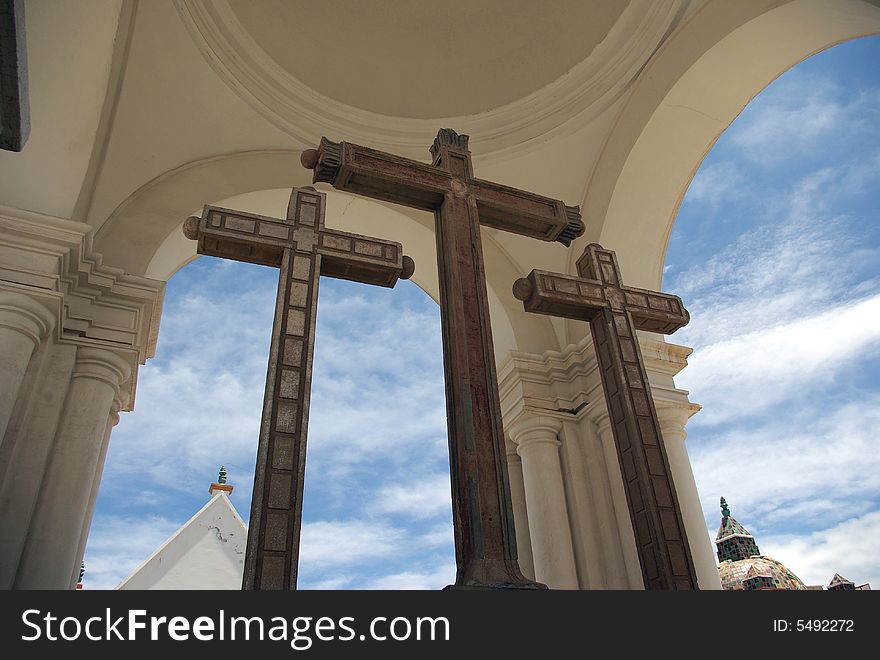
(207, 552)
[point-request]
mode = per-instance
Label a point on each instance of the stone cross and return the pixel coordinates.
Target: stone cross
(303, 249)
(614, 313)
(485, 544)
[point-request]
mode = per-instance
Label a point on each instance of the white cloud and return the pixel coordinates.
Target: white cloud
(756, 371)
(714, 183)
(422, 498)
(850, 548)
(800, 114)
(432, 579)
(356, 554)
(798, 469)
(782, 310)
(337, 543)
(119, 544)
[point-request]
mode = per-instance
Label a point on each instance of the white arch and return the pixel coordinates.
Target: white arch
(681, 106)
(144, 235)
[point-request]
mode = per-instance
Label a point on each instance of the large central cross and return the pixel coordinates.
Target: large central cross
(614, 313)
(303, 250)
(485, 545)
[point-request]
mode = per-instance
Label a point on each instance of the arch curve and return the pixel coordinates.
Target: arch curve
(686, 100)
(144, 234)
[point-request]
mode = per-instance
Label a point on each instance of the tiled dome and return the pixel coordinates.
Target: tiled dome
(742, 566)
(758, 572)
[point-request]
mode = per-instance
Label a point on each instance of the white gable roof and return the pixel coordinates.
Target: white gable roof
(206, 553)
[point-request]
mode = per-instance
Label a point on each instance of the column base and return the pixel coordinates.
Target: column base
(492, 574)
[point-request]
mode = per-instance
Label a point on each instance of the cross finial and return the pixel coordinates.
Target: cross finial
(724, 510)
(221, 478)
(446, 137)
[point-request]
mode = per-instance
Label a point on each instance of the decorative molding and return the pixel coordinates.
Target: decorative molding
(103, 365)
(566, 384)
(51, 261)
(589, 88)
(447, 137)
(23, 314)
(329, 161)
(118, 65)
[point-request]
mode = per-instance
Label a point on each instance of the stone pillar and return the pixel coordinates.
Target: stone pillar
(23, 324)
(552, 550)
(618, 496)
(112, 421)
(606, 567)
(30, 449)
(520, 512)
(50, 557)
(673, 417)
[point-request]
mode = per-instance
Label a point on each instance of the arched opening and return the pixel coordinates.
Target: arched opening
(776, 252)
(693, 89)
(377, 504)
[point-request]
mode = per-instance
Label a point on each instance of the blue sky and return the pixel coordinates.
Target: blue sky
(775, 252)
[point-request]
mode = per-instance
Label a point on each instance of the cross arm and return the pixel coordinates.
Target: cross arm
(363, 259)
(363, 171)
(560, 295)
(240, 236)
(655, 312)
(573, 297)
(526, 213)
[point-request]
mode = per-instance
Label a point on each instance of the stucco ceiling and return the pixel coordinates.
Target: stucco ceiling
(423, 58)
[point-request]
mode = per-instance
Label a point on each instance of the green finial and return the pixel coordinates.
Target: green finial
(724, 510)
(221, 478)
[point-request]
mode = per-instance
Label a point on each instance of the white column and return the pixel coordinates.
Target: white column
(50, 557)
(672, 418)
(618, 496)
(552, 550)
(30, 452)
(606, 564)
(23, 324)
(112, 421)
(520, 513)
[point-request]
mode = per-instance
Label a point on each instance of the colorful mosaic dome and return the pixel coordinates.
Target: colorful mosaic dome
(758, 572)
(741, 564)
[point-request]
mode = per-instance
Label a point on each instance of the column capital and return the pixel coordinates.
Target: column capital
(674, 414)
(23, 314)
(115, 407)
(101, 364)
(598, 414)
(531, 428)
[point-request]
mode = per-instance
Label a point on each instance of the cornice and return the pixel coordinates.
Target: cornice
(567, 382)
(51, 260)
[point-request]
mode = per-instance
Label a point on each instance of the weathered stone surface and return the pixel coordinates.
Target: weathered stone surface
(484, 534)
(291, 245)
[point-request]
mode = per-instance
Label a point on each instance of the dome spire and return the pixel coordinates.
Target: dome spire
(734, 541)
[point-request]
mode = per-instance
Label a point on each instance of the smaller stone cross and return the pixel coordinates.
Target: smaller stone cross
(303, 250)
(614, 313)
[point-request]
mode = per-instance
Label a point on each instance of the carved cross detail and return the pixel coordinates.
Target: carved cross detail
(614, 313)
(303, 250)
(485, 543)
